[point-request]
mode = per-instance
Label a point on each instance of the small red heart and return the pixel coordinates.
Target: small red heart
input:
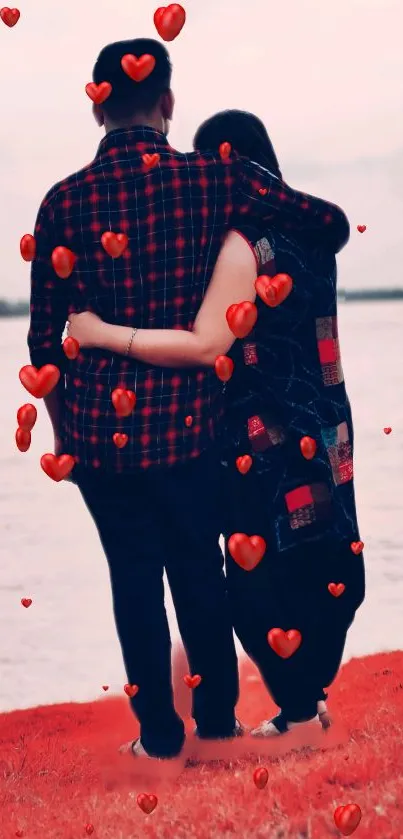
(285, 644)
(357, 547)
(131, 690)
(26, 417)
(124, 401)
(114, 243)
(274, 290)
(241, 318)
(9, 16)
(225, 150)
(89, 828)
(147, 803)
(260, 777)
(28, 247)
(98, 93)
(151, 160)
(387, 430)
(336, 589)
(26, 602)
(138, 68)
(192, 681)
(263, 190)
(247, 551)
(120, 440)
(19, 833)
(244, 463)
(23, 439)
(57, 468)
(361, 228)
(63, 260)
(71, 348)
(105, 687)
(188, 421)
(224, 367)
(308, 447)
(39, 383)
(347, 818)
(169, 21)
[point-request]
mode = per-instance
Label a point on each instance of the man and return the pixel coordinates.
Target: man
(155, 500)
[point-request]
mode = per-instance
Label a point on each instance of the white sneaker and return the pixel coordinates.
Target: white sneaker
(135, 747)
(278, 725)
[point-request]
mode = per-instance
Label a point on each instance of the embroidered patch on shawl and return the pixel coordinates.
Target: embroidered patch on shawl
(250, 355)
(307, 504)
(263, 435)
(329, 350)
(338, 447)
(264, 251)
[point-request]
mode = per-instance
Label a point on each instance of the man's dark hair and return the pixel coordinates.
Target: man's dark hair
(129, 97)
(246, 134)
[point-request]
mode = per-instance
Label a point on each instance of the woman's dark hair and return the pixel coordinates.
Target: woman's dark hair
(246, 134)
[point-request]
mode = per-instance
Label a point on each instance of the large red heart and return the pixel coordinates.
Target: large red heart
(26, 602)
(123, 401)
(98, 92)
(114, 243)
(192, 681)
(247, 551)
(308, 447)
(138, 68)
(57, 468)
(260, 777)
(147, 803)
(243, 463)
(28, 247)
(336, 589)
(241, 318)
(26, 417)
(357, 547)
(71, 348)
(131, 690)
(9, 16)
(169, 20)
(151, 160)
(23, 439)
(273, 290)
(285, 644)
(39, 383)
(224, 367)
(120, 440)
(63, 260)
(347, 818)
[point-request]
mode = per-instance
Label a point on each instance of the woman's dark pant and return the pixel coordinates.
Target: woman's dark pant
(289, 590)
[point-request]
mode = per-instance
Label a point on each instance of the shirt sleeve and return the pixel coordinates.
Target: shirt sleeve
(263, 196)
(48, 304)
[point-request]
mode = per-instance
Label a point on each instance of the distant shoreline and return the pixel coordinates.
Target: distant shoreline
(20, 308)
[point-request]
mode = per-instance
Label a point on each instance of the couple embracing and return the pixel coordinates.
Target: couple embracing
(266, 453)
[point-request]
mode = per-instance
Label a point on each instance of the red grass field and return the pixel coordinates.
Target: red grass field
(60, 771)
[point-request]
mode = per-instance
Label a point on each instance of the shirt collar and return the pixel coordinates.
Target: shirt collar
(122, 138)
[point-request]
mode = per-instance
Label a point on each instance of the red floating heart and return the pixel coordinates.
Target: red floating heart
(347, 818)
(241, 318)
(138, 68)
(98, 93)
(131, 690)
(169, 21)
(357, 547)
(336, 589)
(28, 247)
(224, 367)
(57, 468)
(147, 803)
(26, 602)
(387, 430)
(260, 777)
(105, 687)
(361, 228)
(26, 417)
(9, 16)
(89, 828)
(188, 421)
(192, 681)
(273, 290)
(263, 190)
(120, 440)
(19, 833)
(308, 447)
(124, 401)
(244, 463)
(151, 160)
(247, 551)
(23, 439)
(39, 383)
(285, 644)
(225, 151)
(114, 243)
(71, 348)
(63, 260)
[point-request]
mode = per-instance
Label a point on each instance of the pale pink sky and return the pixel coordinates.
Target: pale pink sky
(325, 77)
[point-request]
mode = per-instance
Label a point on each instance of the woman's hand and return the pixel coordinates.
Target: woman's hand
(88, 329)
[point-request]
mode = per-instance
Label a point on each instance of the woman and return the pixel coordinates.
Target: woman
(288, 412)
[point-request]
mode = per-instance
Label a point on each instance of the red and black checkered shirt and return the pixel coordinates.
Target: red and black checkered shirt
(175, 216)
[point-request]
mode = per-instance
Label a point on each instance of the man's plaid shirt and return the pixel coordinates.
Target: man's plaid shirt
(175, 216)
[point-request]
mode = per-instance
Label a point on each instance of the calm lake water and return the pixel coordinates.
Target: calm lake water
(64, 646)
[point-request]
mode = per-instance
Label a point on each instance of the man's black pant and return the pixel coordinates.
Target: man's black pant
(289, 590)
(169, 518)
